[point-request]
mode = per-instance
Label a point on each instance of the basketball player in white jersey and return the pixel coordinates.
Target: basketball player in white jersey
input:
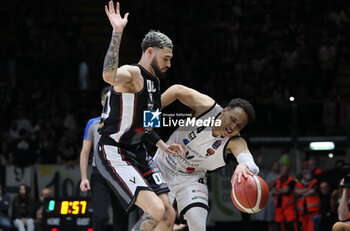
(206, 148)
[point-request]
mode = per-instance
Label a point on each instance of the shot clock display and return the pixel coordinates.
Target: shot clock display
(70, 207)
(67, 214)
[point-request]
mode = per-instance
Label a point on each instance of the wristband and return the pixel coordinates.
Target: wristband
(247, 158)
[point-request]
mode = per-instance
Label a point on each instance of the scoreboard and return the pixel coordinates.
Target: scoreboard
(67, 213)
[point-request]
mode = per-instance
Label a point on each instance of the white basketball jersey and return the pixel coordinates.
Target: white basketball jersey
(203, 151)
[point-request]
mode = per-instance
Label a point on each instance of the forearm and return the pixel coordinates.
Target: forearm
(300, 191)
(111, 60)
(84, 161)
(283, 190)
(343, 209)
(160, 144)
(152, 137)
(309, 192)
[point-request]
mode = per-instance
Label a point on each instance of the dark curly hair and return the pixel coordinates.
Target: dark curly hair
(245, 105)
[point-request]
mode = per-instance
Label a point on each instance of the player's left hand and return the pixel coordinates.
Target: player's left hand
(241, 170)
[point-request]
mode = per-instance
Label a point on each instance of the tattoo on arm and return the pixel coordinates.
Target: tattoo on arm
(112, 57)
(146, 222)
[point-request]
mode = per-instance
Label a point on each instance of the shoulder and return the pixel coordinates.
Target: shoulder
(127, 73)
(236, 142)
(92, 121)
(134, 70)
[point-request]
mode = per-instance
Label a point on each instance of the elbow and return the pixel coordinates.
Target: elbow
(107, 77)
(178, 90)
(340, 217)
(343, 217)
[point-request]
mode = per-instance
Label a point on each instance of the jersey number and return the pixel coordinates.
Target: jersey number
(158, 178)
(192, 134)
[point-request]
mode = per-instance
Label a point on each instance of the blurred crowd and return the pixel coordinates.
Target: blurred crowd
(263, 51)
(23, 212)
(306, 200)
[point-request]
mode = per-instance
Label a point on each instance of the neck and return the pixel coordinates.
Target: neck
(216, 130)
(146, 64)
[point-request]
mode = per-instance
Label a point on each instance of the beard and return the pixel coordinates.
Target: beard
(157, 71)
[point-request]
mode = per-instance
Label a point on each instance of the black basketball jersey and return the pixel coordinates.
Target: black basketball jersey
(122, 114)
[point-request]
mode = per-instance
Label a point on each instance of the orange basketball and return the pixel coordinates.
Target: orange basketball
(251, 195)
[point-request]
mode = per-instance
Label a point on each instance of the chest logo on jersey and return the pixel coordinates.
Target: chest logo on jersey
(150, 86)
(210, 152)
(217, 144)
(186, 141)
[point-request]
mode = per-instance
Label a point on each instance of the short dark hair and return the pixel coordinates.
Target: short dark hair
(245, 105)
(156, 39)
(104, 92)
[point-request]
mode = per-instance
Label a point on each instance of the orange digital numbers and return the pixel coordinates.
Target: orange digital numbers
(64, 207)
(73, 207)
(83, 207)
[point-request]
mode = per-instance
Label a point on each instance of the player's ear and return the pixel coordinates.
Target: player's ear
(149, 51)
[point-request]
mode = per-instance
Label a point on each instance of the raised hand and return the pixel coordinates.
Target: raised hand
(117, 22)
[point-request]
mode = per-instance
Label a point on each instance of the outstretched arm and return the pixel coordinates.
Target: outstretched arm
(246, 165)
(110, 65)
(195, 100)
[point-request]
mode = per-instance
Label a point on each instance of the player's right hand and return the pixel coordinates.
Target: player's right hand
(176, 149)
(117, 22)
(240, 171)
(85, 185)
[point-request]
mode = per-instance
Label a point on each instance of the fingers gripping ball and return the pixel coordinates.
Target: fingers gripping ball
(251, 195)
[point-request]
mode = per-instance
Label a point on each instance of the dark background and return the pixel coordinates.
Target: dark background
(261, 51)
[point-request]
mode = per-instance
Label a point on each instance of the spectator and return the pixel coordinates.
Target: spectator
(45, 193)
(5, 202)
(325, 220)
(308, 200)
(313, 166)
(283, 190)
(304, 165)
(23, 210)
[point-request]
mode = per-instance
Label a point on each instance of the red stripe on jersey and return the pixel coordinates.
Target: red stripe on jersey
(148, 172)
(109, 164)
(120, 112)
(139, 130)
(135, 103)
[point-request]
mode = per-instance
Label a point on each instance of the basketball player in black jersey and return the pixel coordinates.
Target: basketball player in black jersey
(122, 157)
